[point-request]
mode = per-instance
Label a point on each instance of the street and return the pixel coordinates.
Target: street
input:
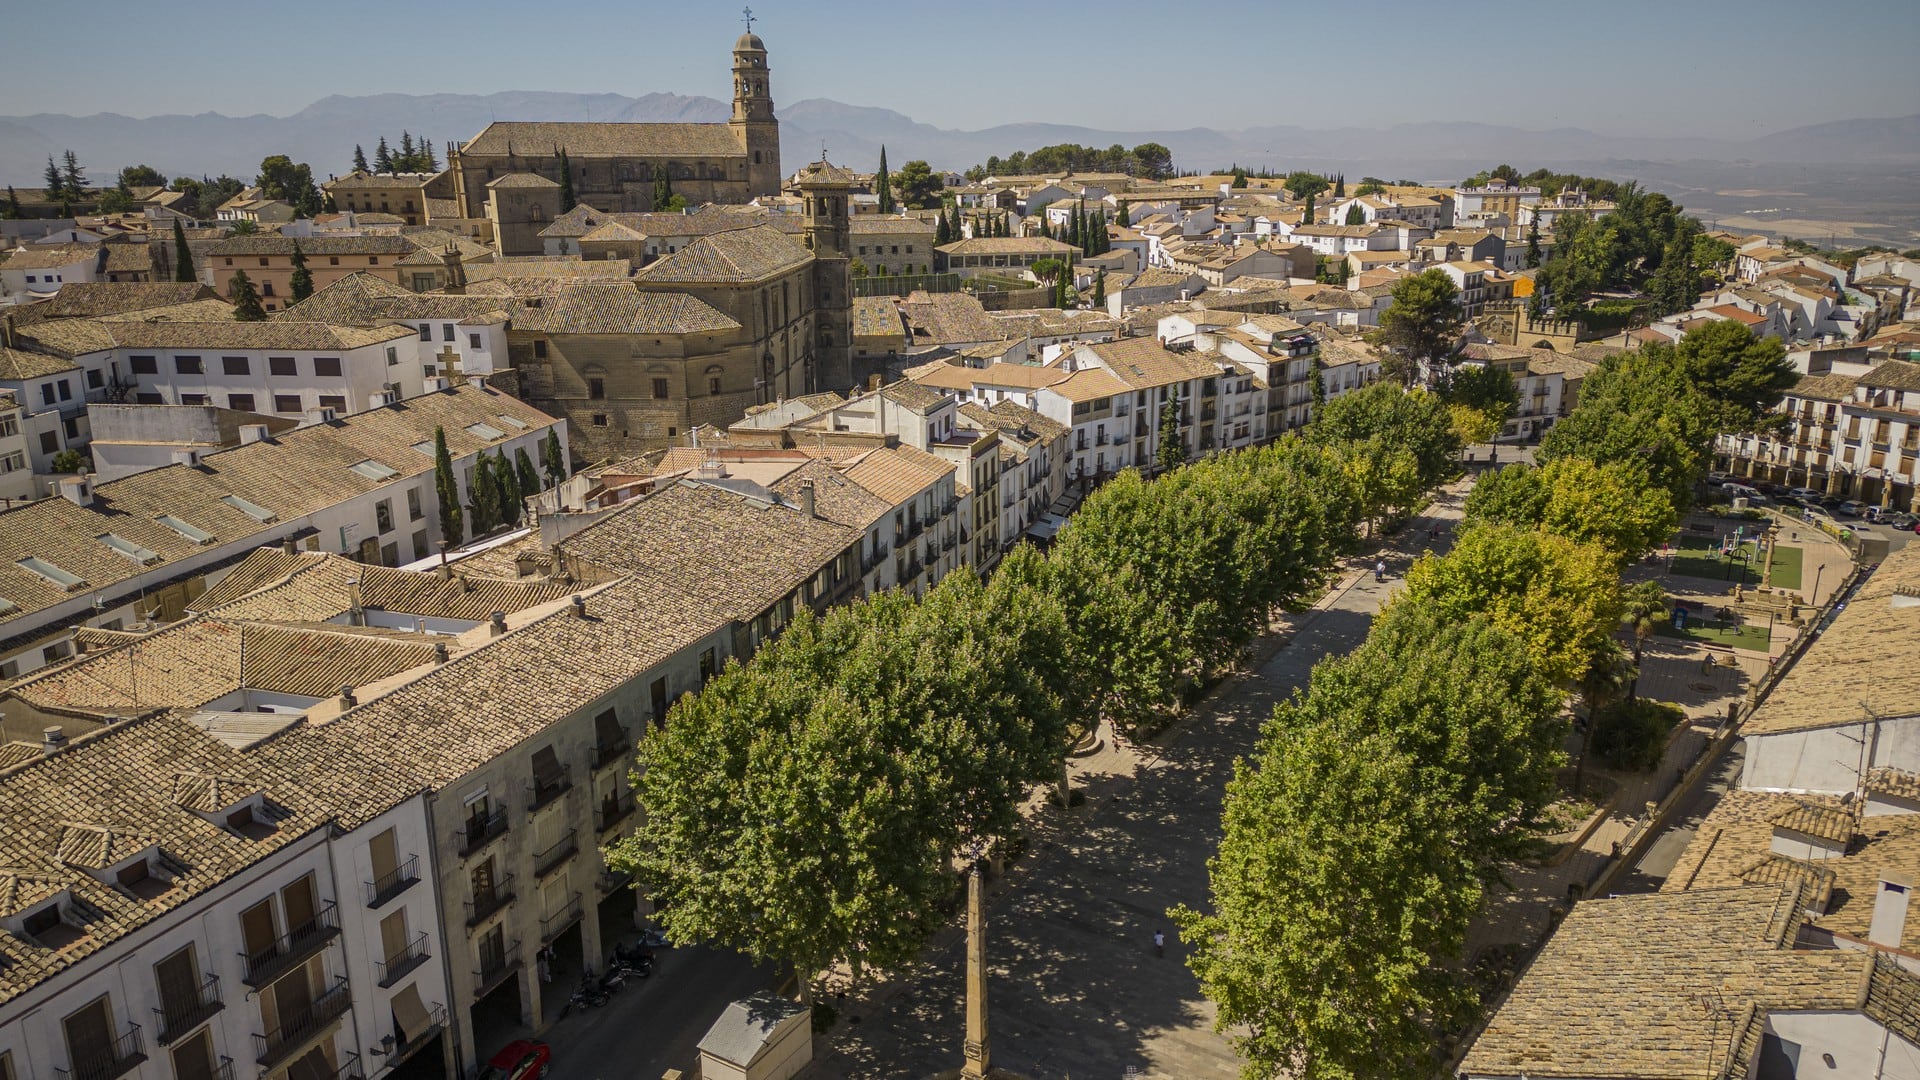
(687, 991)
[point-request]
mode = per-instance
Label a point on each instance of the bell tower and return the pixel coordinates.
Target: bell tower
(825, 191)
(753, 123)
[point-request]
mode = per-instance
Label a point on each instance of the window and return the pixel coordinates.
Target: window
(47, 393)
(420, 545)
(56, 652)
(414, 510)
(599, 419)
(285, 403)
(193, 399)
(426, 332)
(446, 331)
(263, 260)
(49, 442)
(144, 365)
(713, 385)
(373, 260)
(332, 260)
(473, 341)
(597, 389)
(91, 1041)
(235, 365)
(95, 381)
(266, 288)
(428, 371)
(659, 388)
(383, 515)
(539, 349)
(327, 366)
(334, 402)
(282, 365)
(393, 356)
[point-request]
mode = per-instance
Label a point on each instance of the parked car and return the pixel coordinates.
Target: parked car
(1742, 491)
(1715, 477)
(1805, 493)
(521, 1059)
(1850, 508)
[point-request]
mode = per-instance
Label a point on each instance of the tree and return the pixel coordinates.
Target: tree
(662, 190)
(182, 255)
(11, 211)
(883, 183)
(1152, 160)
(1399, 419)
(246, 302)
(1612, 506)
(71, 461)
(1306, 212)
(301, 283)
(1610, 676)
(1370, 186)
(115, 200)
(360, 159)
(53, 185)
(446, 492)
(73, 178)
(1561, 599)
(382, 157)
(917, 185)
(406, 148)
(1747, 375)
(134, 176)
(1304, 185)
(1172, 452)
(567, 199)
(1533, 242)
(525, 475)
(1239, 177)
(242, 228)
(1100, 288)
(1355, 215)
(953, 223)
(1423, 322)
(1485, 392)
(483, 497)
(1340, 190)
(553, 458)
(1644, 606)
(427, 160)
(1124, 220)
(941, 235)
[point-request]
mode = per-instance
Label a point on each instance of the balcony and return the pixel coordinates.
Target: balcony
(479, 833)
(299, 1031)
(293, 948)
(118, 1058)
(913, 570)
(489, 900)
(609, 753)
(496, 969)
(393, 882)
(555, 854)
(181, 1012)
(395, 967)
(223, 1070)
(552, 926)
(436, 1023)
(350, 1069)
(551, 788)
(613, 811)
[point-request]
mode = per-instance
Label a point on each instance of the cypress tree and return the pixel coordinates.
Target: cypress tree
(246, 302)
(359, 159)
(953, 225)
(1124, 222)
(446, 491)
(662, 189)
(182, 254)
(1046, 227)
(556, 463)
(1340, 186)
(13, 205)
(1100, 289)
(51, 181)
(508, 482)
(1355, 215)
(526, 474)
(1309, 218)
(940, 234)
(428, 163)
(483, 497)
(567, 200)
(382, 157)
(1073, 228)
(302, 281)
(883, 183)
(1533, 241)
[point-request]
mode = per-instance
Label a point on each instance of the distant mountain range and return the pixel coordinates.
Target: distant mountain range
(325, 133)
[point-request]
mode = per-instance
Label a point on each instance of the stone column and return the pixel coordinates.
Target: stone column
(978, 1050)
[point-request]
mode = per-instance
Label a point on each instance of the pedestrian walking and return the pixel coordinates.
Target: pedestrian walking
(1159, 943)
(544, 966)
(1380, 570)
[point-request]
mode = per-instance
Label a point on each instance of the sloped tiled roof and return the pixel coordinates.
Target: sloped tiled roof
(618, 308)
(592, 140)
(79, 299)
(898, 473)
(737, 255)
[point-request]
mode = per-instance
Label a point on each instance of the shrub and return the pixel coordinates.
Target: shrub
(1633, 734)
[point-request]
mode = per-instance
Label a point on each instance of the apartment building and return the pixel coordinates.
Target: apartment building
(458, 336)
(1851, 435)
(893, 243)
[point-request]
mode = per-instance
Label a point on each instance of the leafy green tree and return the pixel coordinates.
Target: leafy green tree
(1747, 375)
(382, 157)
(71, 461)
(1355, 215)
(1305, 185)
(1423, 322)
(525, 474)
(1152, 160)
(567, 199)
(246, 302)
(1480, 399)
(917, 185)
(1559, 597)
(1384, 477)
(134, 176)
(1610, 676)
(182, 255)
(242, 228)
(883, 183)
(301, 283)
(1370, 186)
(1412, 420)
(1172, 452)
(1644, 606)
(553, 458)
(115, 200)
(1613, 506)
(446, 491)
(360, 160)
(1239, 177)
(53, 185)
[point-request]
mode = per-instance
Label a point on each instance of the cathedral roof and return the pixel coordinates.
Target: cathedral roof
(739, 255)
(598, 140)
(749, 41)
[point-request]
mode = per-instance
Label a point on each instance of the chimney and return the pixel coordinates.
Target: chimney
(499, 623)
(440, 652)
(347, 700)
(252, 433)
(77, 490)
(52, 741)
(1889, 914)
(189, 458)
(579, 606)
(456, 270)
(808, 502)
(287, 545)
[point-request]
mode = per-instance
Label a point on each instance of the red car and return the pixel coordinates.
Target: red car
(521, 1059)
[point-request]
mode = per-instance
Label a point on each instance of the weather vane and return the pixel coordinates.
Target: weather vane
(748, 12)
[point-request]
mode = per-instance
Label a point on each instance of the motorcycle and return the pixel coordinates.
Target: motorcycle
(633, 956)
(651, 938)
(587, 996)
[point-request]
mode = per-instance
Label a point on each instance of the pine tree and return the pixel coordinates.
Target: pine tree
(302, 281)
(382, 157)
(182, 254)
(527, 476)
(883, 183)
(12, 209)
(567, 200)
(555, 462)
(446, 491)
(1100, 289)
(72, 176)
(52, 182)
(406, 151)
(428, 163)
(246, 302)
(359, 159)
(508, 482)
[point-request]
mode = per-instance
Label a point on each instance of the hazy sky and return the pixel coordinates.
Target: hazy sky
(1725, 68)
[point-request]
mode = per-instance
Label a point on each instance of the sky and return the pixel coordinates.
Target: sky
(1721, 68)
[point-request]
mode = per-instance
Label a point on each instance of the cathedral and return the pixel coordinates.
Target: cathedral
(508, 175)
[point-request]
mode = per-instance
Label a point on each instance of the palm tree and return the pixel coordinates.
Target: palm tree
(1607, 679)
(1646, 606)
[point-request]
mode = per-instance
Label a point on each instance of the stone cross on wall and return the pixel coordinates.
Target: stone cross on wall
(449, 362)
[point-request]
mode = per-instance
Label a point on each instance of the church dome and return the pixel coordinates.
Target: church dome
(749, 42)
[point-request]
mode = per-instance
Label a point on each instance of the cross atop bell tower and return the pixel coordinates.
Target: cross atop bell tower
(753, 123)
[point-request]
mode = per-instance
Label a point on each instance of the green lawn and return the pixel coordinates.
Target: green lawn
(1700, 558)
(1739, 636)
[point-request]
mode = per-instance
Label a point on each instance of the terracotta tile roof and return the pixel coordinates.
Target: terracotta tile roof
(1022, 376)
(913, 395)
(1143, 363)
(738, 255)
(78, 299)
(836, 496)
(363, 299)
(21, 364)
(291, 476)
(890, 225)
(949, 319)
(317, 586)
(1899, 783)
(48, 256)
(1090, 384)
(1008, 245)
(516, 271)
(1892, 375)
(617, 308)
(877, 316)
(275, 244)
(523, 180)
(291, 335)
(1861, 667)
(898, 473)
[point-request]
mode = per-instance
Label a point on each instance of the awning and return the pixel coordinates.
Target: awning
(410, 1014)
(312, 1065)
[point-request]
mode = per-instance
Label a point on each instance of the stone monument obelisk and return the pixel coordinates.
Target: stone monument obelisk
(978, 1049)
